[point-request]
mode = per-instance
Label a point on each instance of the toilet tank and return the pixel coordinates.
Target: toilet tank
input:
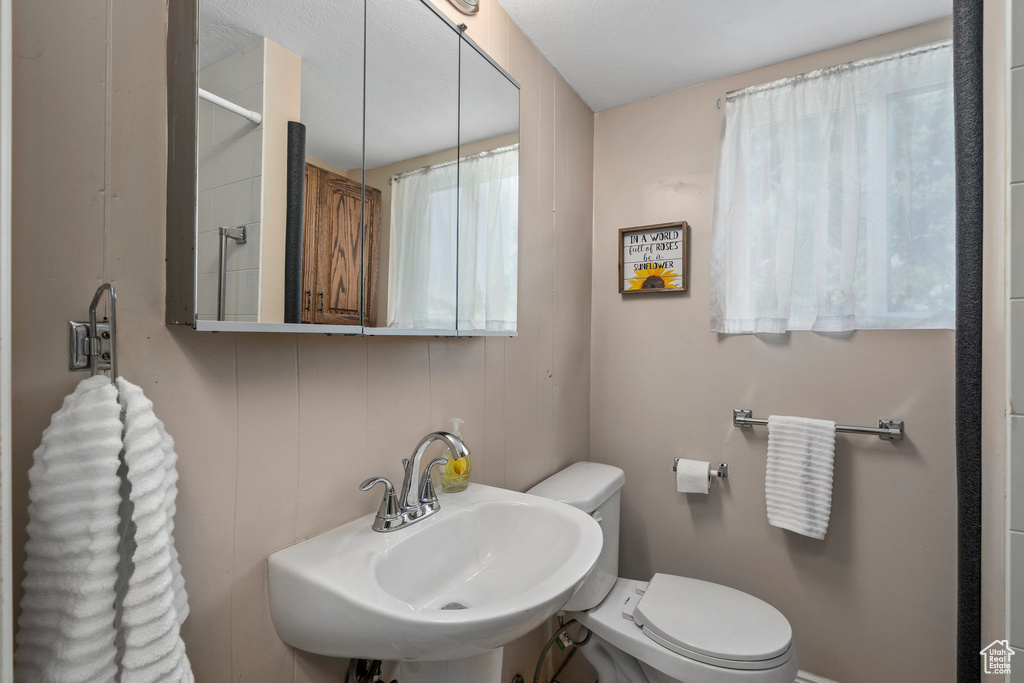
(595, 489)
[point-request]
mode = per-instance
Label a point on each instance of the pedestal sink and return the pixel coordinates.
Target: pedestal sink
(490, 566)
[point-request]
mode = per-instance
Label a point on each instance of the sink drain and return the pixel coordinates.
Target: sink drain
(454, 605)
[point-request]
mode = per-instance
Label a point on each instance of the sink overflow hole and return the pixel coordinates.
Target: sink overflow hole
(454, 605)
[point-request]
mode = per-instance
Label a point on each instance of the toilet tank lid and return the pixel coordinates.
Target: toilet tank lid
(584, 485)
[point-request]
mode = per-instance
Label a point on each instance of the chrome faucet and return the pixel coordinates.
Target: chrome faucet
(418, 499)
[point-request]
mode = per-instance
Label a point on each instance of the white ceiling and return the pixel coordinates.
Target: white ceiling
(613, 52)
(328, 36)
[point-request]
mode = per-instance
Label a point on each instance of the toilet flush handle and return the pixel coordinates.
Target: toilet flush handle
(597, 517)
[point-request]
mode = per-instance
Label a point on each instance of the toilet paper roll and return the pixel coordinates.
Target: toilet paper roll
(692, 476)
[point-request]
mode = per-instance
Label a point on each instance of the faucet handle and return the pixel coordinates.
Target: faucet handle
(373, 481)
(427, 494)
(389, 505)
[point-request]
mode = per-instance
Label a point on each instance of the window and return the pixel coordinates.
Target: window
(421, 274)
(421, 280)
(835, 200)
(489, 240)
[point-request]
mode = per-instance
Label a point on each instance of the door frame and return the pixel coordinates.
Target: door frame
(6, 608)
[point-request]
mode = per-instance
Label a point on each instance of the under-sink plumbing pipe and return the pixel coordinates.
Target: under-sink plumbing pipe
(364, 671)
(562, 628)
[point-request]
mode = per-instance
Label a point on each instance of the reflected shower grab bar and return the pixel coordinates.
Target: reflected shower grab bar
(239, 235)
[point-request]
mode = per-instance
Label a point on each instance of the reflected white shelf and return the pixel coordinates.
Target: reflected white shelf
(488, 333)
(397, 332)
(349, 330)
(229, 326)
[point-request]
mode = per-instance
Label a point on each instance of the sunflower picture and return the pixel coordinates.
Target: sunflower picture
(654, 278)
(652, 259)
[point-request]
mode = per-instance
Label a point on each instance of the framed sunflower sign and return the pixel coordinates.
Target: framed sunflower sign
(652, 258)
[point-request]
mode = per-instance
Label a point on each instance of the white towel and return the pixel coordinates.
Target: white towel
(67, 621)
(181, 608)
(155, 603)
(798, 478)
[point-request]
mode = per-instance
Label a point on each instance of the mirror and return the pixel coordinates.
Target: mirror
(412, 141)
(279, 206)
(336, 186)
(488, 195)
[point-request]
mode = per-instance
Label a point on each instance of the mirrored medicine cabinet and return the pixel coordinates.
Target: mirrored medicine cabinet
(340, 168)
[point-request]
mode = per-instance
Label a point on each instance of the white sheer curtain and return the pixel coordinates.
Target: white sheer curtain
(834, 201)
(488, 240)
(424, 238)
(421, 265)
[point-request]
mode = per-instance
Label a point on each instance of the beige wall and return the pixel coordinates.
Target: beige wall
(282, 102)
(274, 432)
(876, 600)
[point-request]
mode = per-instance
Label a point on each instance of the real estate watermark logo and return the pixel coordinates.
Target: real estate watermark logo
(996, 657)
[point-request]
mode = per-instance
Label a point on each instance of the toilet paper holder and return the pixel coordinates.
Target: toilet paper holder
(722, 472)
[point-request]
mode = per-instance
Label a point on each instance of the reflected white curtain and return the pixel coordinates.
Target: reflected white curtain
(421, 266)
(834, 201)
(488, 240)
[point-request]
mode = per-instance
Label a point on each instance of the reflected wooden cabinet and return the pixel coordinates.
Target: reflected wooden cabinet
(331, 268)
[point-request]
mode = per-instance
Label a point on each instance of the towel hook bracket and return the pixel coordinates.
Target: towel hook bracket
(894, 429)
(81, 342)
(93, 345)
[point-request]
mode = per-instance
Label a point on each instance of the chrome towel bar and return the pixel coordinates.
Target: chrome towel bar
(889, 430)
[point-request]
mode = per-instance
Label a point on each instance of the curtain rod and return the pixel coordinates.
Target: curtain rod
(828, 71)
(444, 164)
(247, 114)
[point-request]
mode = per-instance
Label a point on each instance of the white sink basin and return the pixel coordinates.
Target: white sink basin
(489, 567)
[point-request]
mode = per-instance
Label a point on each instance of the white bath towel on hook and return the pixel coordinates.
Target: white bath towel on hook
(67, 613)
(155, 603)
(798, 476)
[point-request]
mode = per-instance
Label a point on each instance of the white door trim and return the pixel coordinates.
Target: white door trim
(6, 574)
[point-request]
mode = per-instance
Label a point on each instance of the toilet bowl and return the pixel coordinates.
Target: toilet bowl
(670, 629)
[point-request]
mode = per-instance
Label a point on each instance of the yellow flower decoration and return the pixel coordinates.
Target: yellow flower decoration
(655, 278)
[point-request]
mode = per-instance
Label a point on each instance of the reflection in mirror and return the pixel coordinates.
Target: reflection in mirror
(280, 159)
(412, 62)
(488, 196)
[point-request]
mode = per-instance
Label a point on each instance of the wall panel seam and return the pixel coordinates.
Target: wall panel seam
(108, 136)
(298, 446)
(234, 517)
(504, 413)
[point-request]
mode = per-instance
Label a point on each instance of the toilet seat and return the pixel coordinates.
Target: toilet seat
(712, 623)
(607, 621)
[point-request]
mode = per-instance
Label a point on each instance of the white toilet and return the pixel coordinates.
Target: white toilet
(670, 629)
